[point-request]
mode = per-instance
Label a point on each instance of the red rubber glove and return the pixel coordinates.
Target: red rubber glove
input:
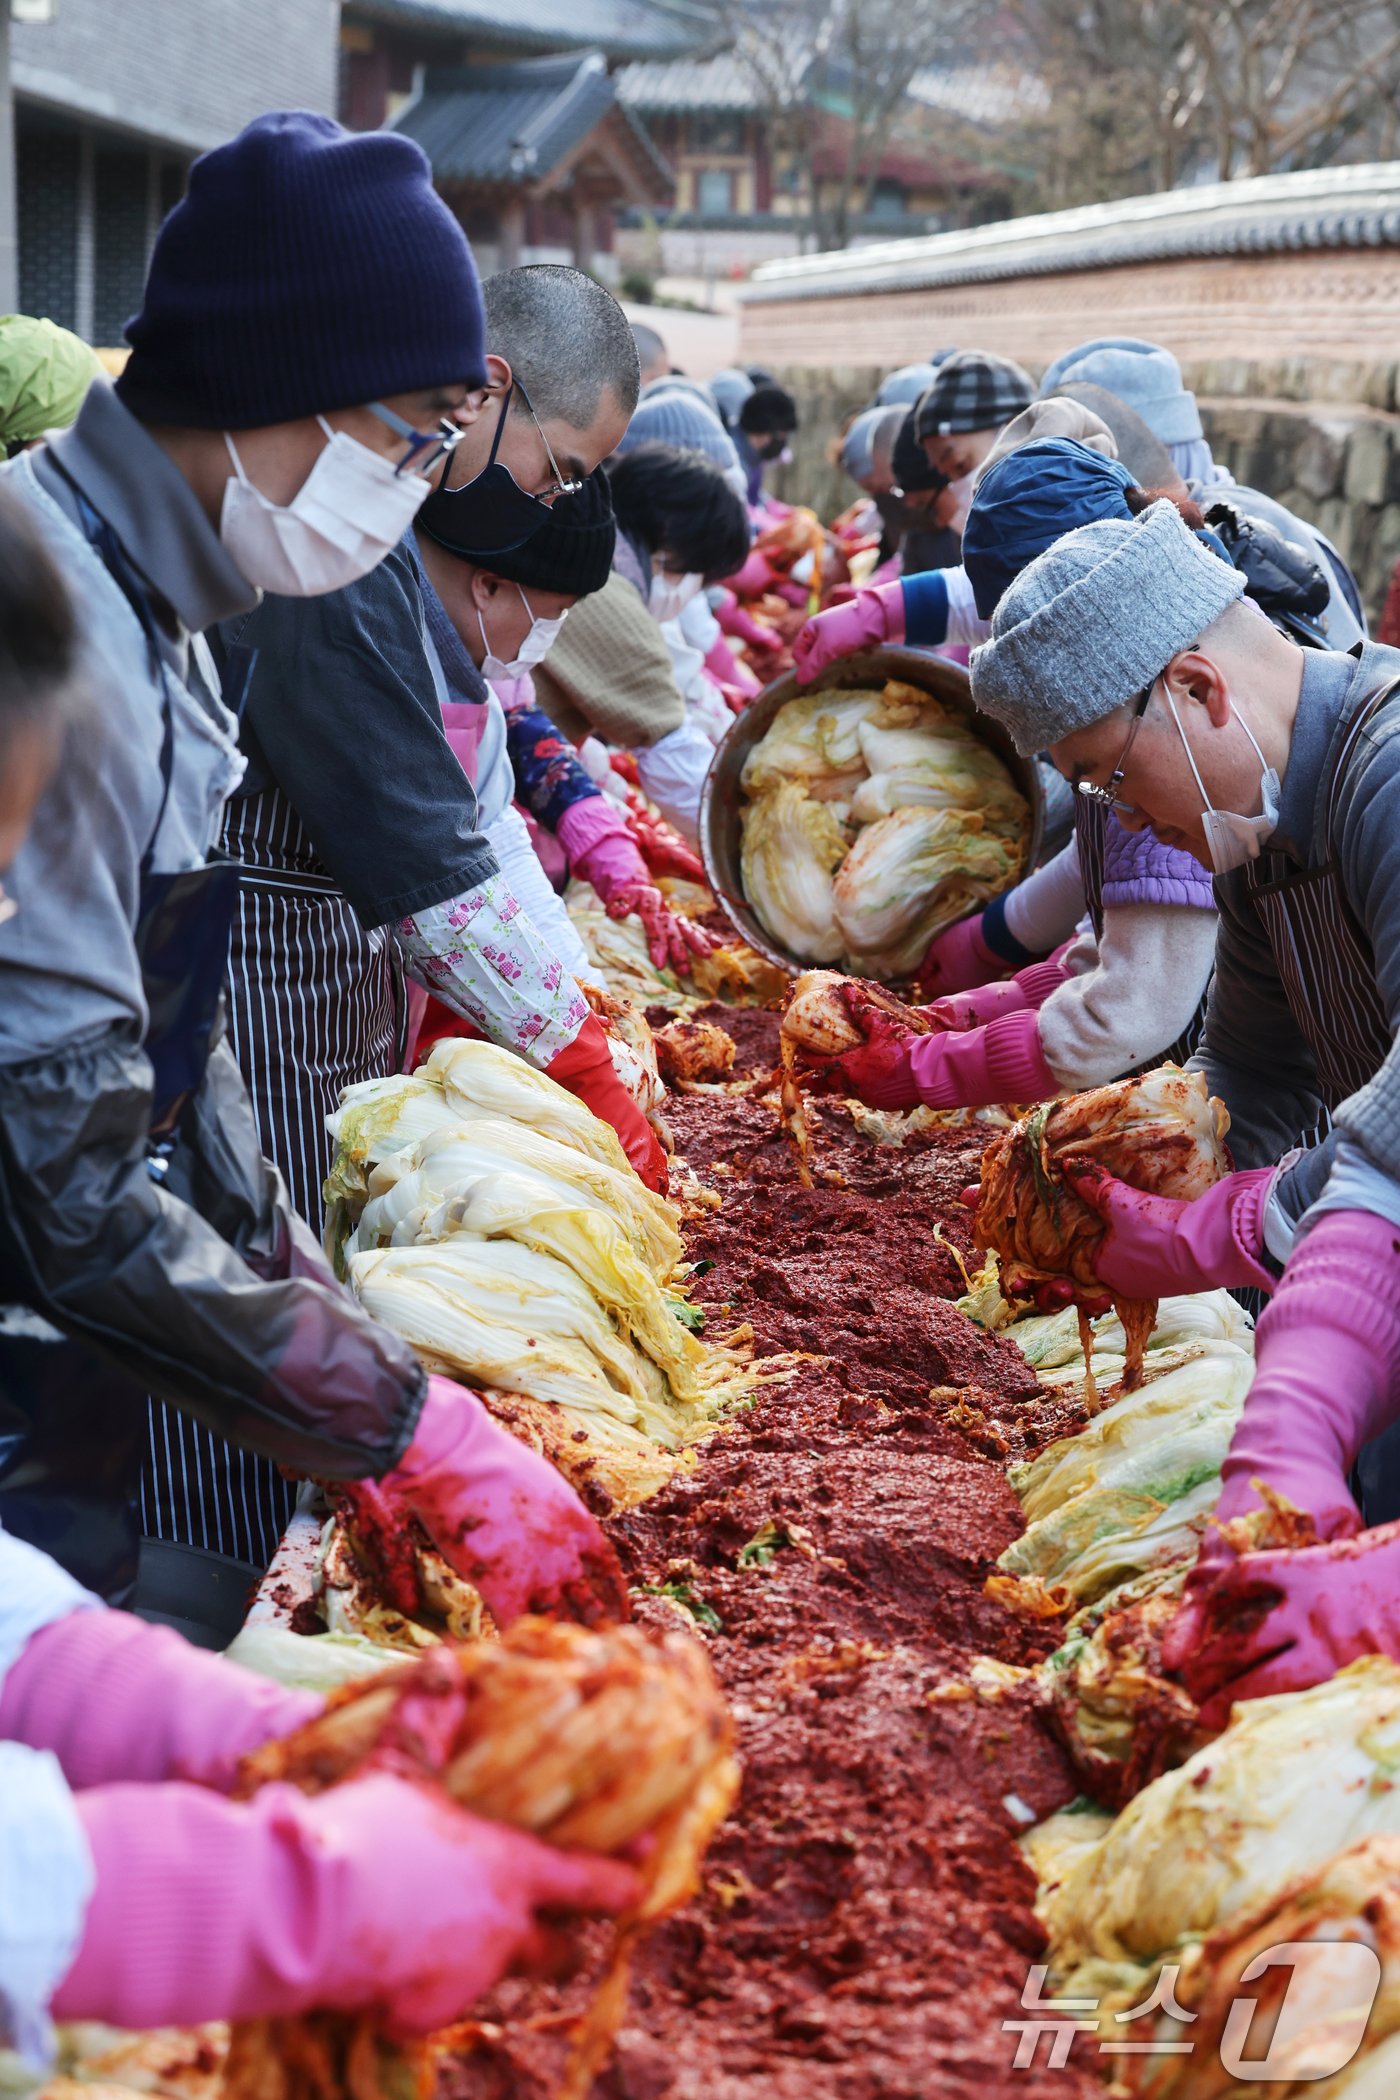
(116, 1699)
(671, 937)
(870, 619)
(1280, 1621)
(499, 1513)
(958, 959)
(377, 1895)
(586, 1068)
(1155, 1247)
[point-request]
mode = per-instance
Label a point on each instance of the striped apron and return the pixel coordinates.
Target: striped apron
(1090, 820)
(1329, 979)
(1321, 951)
(315, 1004)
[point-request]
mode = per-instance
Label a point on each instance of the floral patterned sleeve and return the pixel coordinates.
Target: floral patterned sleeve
(484, 958)
(549, 777)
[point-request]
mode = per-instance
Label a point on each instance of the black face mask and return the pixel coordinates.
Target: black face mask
(773, 447)
(490, 515)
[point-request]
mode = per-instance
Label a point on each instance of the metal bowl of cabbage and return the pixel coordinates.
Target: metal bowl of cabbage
(848, 824)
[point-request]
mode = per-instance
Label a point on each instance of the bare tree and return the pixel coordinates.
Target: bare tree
(836, 73)
(1145, 96)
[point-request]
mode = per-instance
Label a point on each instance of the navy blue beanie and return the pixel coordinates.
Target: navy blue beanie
(306, 268)
(1030, 499)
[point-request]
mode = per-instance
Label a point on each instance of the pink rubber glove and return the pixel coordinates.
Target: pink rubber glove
(600, 847)
(1279, 1621)
(726, 670)
(959, 959)
(1325, 1348)
(756, 576)
(500, 1514)
(738, 621)
(378, 1895)
(870, 619)
(1002, 1062)
(1026, 992)
(116, 1699)
(1155, 1246)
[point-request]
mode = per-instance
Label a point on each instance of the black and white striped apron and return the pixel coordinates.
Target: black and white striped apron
(1090, 823)
(1325, 963)
(315, 1004)
(1320, 949)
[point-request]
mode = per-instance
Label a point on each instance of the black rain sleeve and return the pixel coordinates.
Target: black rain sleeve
(206, 1286)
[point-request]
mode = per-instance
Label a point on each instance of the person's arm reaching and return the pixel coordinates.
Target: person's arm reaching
(481, 955)
(1017, 929)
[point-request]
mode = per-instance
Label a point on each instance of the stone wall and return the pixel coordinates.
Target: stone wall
(1320, 437)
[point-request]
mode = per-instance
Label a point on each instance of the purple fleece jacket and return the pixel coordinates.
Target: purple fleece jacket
(1139, 869)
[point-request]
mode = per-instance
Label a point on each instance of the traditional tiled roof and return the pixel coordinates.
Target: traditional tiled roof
(1349, 207)
(516, 122)
(620, 28)
(689, 86)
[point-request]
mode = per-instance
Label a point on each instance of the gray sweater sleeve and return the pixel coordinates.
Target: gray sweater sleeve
(1254, 1055)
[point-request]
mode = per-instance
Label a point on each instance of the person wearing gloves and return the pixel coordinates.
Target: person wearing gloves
(1148, 378)
(364, 854)
(1128, 989)
(931, 607)
(134, 1892)
(491, 621)
(45, 371)
(139, 1220)
(1279, 769)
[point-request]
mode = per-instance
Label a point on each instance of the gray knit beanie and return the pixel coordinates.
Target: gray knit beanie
(1143, 374)
(1090, 623)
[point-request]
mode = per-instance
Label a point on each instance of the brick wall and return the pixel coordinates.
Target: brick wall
(1336, 462)
(189, 72)
(1337, 306)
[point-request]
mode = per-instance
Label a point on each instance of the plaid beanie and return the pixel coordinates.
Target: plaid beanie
(571, 554)
(1143, 374)
(909, 462)
(973, 391)
(306, 268)
(1091, 622)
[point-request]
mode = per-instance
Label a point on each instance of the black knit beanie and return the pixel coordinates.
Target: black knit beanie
(306, 268)
(572, 554)
(909, 462)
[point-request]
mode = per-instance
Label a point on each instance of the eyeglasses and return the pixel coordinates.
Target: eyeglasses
(425, 447)
(1105, 796)
(559, 486)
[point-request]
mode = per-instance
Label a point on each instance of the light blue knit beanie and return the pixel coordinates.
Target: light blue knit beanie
(1143, 374)
(1090, 623)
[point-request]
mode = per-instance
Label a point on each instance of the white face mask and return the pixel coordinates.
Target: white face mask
(670, 595)
(1232, 839)
(533, 650)
(351, 510)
